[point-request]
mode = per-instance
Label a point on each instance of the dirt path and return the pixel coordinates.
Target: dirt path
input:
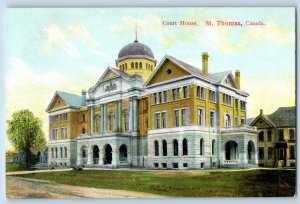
(17, 187)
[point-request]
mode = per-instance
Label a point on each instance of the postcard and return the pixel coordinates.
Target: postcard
(150, 102)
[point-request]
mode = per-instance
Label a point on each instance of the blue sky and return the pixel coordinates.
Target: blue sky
(69, 49)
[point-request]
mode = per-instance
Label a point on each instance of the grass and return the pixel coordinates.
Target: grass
(15, 167)
(254, 183)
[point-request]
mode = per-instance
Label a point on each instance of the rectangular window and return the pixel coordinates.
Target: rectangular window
(126, 120)
(261, 153)
(281, 135)
(200, 92)
(269, 135)
(185, 92)
(212, 96)
(242, 121)
(292, 134)
(159, 98)
(157, 120)
(270, 152)
(236, 103)
(212, 119)
(178, 94)
(164, 165)
(54, 133)
(64, 117)
(243, 105)
(183, 117)
(164, 119)
(174, 94)
(185, 165)
(175, 165)
(155, 165)
(292, 152)
(155, 98)
(236, 121)
(201, 116)
(227, 99)
(64, 133)
(164, 96)
(176, 118)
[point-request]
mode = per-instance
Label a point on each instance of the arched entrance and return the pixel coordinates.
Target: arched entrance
(231, 151)
(251, 152)
(95, 154)
(107, 154)
(123, 153)
(84, 154)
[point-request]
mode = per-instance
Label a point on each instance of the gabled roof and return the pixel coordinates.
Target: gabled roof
(282, 117)
(214, 78)
(72, 100)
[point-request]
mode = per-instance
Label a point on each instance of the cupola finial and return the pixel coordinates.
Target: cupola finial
(136, 28)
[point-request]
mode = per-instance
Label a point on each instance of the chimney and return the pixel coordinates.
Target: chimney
(261, 111)
(238, 79)
(205, 63)
(83, 94)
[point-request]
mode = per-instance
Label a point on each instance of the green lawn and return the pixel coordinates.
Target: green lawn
(15, 167)
(183, 183)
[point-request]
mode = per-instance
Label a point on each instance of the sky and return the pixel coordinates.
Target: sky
(68, 49)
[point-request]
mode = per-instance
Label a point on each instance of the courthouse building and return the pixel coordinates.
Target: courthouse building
(168, 115)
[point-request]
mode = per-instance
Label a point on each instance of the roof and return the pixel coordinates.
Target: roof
(70, 99)
(284, 117)
(135, 48)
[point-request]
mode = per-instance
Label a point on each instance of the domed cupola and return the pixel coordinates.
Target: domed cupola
(136, 58)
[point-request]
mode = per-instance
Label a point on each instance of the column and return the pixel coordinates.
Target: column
(90, 157)
(114, 161)
(118, 115)
(130, 114)
(92, 119)
(103, 117)
(79, 159)
(100, 157)
(135, 114)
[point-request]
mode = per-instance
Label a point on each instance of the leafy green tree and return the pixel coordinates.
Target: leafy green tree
(9, 155)
(25, 132)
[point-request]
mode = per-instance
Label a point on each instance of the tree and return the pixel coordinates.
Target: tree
(25, 132)
(9, 155)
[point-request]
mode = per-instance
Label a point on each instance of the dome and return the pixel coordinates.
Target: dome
(135, 48)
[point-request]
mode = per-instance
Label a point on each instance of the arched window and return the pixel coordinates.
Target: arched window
(184, 147)
(165, 148)
(175, 147)
(61, 152)
(132, 65)
(125, 65)
(156, 148)
(83, 131)
(140, 65)
(227, 120)
(136, 65)
(261, 136)
(123, 153)
(55, 152)
(213, 146)
(66, 152)
(52, 152)
(84, 152)
(202, 146)
(111, 121)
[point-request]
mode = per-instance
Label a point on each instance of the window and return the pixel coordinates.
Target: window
(164, 119)
(292, 134)
(178, 95)
(165, 148)
(54, 133)
(236, 103)
(140, 65)
(175, 147)
(212, 119)
(185, 92)
(64, 117)
(61, 152)
(200, 92)
(53, 119)
(111, 121)
(213, 146)
(227, 120)
(185, 165)
(52, 152)
(126, 120)
(155, 165)
(184, 147)
(270, 152)
(269, 135)
(157, 120)
(281, 135)
(201, 117)
(202, 165)
(55, 152)
(159, 98)
(132, 65)
(164, 96)
(242, 121)
(64, 133)
(212, 96)
(83, 131)
(201, 146)
(156, 148)
(175, 165)
(227, 99)
(97, 123)
(261, 153)
(184, 117)
(125, 65)
(236, 121)
(176, 118)
(155, 98)
(261, 136)
(66, 152)
(174, 94)
(292, 152)
(164, 165)
(243, 105)
(84, 117)
(136, 65)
